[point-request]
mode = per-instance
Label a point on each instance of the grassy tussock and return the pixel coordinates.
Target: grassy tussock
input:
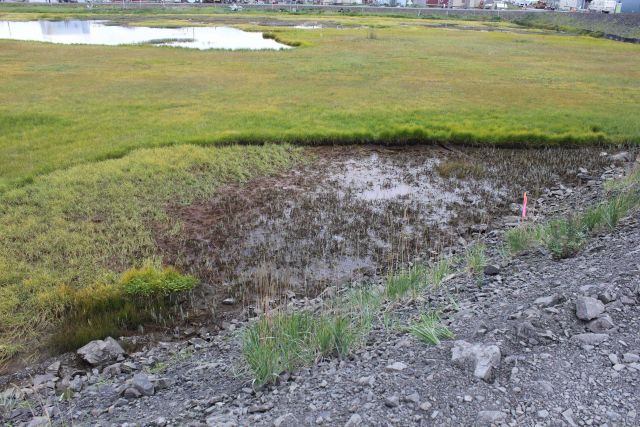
(475, 259)
(285, 341)
(429, 329)
(70, 235)
(564, 237)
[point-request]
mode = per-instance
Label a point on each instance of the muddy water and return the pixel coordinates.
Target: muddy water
(353, 213)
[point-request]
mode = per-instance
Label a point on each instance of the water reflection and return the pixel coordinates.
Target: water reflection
(96, 32)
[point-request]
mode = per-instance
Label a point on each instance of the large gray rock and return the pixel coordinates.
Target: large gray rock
(601, 324)
(588, 308)
(481, 358)
(99, 352)
(142, 383)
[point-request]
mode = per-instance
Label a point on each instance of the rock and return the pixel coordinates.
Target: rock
(43, 379)
(260, 408)
(391, 401)
(601, 324)
(141, 383)
(286, 420)
(413, 398)
(220, 421)
(487, 418)
(542, 414)
(396, 366)
(621, 157)
(607, 296)
(590, 339)
(131, 393)
(549, 301)
(568, 416)
(39, 422)
(630, 358)
(588, 308)
(354, 420)
(54, 368)
(481, 358)
(425, 406)
(491, 270)
(229, 301)
(99, 352)
(627, 300)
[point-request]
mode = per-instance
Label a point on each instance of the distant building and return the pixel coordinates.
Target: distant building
(570, 4)
(630, 6)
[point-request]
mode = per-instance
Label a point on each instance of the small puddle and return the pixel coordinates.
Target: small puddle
(98, 33)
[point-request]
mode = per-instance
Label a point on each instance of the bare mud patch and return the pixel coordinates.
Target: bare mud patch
(350, 214)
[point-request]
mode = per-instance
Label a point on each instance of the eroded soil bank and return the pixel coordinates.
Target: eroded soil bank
(352, 214)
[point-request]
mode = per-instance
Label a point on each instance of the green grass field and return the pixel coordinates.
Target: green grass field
(65, 105)
(96, 141)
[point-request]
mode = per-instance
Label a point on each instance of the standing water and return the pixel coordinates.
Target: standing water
(96, 32)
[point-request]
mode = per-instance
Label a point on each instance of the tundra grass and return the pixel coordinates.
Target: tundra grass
(62, 106)
(81, 227)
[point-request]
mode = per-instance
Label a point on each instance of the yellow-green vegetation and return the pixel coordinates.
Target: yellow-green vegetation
(459, 169)
(564, 237)
(67, 237)
(409, 83)
(142, 295)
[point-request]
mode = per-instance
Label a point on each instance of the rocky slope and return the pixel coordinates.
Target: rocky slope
(538, 342)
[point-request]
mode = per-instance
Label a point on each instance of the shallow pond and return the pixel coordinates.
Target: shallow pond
(98, 33)
(352, 214)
